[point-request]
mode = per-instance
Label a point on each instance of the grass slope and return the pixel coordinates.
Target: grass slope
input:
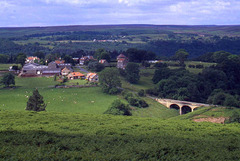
(64, 136)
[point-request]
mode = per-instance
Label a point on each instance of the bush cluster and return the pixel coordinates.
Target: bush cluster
(118, 108)
(133, 100)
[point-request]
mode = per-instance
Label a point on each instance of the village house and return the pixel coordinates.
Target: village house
(104, 62)
(85, 59)
(92, 77)
(122, 61)
(76, 60)
(32, 59)
(76, 75)
(65, 71)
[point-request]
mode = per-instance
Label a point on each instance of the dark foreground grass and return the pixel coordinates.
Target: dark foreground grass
(64, 136)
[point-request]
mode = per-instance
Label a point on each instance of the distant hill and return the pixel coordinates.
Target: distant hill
(164, 40)
(229, 30)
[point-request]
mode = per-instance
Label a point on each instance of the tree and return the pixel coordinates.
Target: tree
(8, 79)
(118, 108)
(161, 73)
(4, 58)
(102, 54)
(132, 72)
(181, 55)
(39, 54)
(68, 59)
(109, 81)
(21, 58)
(220, 56)
(95, 66)
(35, 102)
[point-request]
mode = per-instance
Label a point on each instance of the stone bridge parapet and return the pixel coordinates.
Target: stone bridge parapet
(183, 106)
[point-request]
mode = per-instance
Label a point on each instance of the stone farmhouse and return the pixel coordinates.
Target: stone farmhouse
(122, 61)
(85, 59)
(65, 71)
(104, 62)
(32, 59)
(76, 75)
(92, 77)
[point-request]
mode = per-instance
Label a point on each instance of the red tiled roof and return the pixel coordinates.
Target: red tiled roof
(32, 58)
(121, 56)
(59, 61)
(77, 74)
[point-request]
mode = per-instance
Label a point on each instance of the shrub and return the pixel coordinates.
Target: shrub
(199, 66)
(8, 79)
(235, 117)
(191, 66)
(152, 92)
(141, 93)
(118, 108)
(134, 101)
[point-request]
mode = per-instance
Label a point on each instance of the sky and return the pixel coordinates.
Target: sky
(23, 13)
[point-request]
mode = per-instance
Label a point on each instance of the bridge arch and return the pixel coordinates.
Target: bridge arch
(186, 109)
(174, 106)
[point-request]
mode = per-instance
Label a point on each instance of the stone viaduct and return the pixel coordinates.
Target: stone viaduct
(183, 106)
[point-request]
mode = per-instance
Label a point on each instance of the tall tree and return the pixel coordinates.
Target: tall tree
(181, 55)
(110, 81)
(21, 58)
(132, 72)
(102, 54)
(4, 58)
(39, 54)
(35, 102)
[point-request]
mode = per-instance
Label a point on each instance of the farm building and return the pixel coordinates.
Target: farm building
(59, 64)
(33, 69)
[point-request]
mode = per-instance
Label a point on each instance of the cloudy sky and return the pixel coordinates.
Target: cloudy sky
(91, 12)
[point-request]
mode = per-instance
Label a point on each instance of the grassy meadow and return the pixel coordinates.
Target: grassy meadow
(76, 100)
(5, 66)
(72, 100)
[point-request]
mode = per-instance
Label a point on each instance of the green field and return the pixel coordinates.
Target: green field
(5, 66)
(72, 100)
(65, 136)
(76, 100)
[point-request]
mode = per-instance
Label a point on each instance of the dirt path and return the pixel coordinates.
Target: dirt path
(219, 120)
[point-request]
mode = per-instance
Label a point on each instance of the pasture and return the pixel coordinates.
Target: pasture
(5, 66)
(71, 100)
(76, 100)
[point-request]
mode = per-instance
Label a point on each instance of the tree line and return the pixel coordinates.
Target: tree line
(218, 84)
